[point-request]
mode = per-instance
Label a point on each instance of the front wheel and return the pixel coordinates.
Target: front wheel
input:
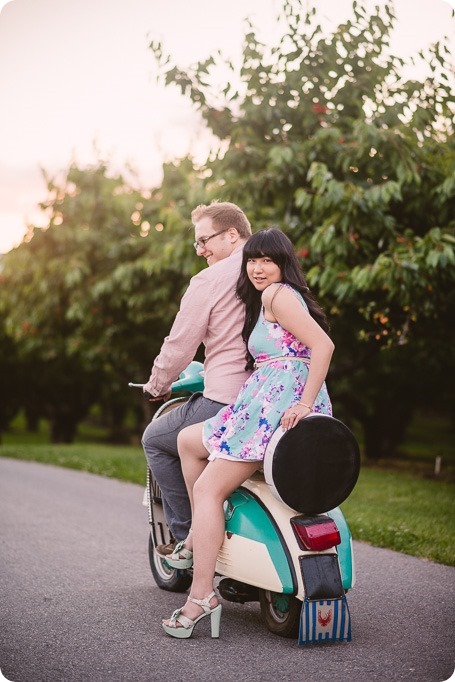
(166, 577)
(280, 612)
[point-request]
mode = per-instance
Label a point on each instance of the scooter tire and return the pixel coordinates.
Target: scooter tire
(166, 577)
(281, 613)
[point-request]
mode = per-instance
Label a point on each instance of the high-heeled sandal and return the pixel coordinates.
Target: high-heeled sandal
(186, 626)
(181, 557)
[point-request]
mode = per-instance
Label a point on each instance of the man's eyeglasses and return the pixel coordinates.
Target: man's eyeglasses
(200, 243)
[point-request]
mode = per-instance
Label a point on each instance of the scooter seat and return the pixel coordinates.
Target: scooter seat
(314, 466)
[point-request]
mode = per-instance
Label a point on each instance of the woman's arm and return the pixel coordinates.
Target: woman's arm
(283, 306)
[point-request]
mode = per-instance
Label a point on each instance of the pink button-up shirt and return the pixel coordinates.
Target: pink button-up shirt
(210, 313)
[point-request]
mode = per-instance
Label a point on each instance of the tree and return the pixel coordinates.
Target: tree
(90, 298)
(10, 376)
(326, 137)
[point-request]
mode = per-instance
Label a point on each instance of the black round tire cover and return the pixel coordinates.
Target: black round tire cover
(315, 465)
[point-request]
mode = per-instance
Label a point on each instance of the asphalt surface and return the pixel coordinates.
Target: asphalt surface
(78, 602)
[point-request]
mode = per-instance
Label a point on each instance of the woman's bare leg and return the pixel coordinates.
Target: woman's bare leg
(217, 481)
(193, 456)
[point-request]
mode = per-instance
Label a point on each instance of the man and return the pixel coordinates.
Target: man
(210, 313)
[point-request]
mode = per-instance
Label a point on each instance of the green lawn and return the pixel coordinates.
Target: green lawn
(404, 512)
(126, 463)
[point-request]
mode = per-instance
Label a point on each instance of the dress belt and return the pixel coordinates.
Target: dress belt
(281, 357)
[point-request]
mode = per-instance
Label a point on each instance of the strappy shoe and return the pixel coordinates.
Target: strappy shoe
(181, 557)
(182, 627)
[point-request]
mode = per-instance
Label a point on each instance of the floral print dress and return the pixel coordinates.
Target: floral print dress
(242, 430)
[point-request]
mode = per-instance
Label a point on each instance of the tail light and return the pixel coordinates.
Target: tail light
(315, 533)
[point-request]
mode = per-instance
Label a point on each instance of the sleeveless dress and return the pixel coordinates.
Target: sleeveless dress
(242, 430)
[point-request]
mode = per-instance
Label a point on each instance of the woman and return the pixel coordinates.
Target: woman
(286, 335)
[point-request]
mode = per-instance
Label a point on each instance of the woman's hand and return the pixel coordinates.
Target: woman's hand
(293, 415)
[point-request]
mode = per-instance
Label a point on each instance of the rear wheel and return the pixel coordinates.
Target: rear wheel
(166, 577)
(281, 613)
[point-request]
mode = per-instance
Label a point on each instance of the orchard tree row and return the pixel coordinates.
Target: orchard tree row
(325, 136)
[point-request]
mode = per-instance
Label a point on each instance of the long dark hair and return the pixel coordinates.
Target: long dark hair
(274, 244)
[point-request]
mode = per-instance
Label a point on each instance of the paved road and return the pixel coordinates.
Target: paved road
(78, 602)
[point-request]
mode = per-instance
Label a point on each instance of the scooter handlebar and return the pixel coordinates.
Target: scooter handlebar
(191, 379)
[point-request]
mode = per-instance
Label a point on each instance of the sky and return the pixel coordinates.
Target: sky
(77, 82)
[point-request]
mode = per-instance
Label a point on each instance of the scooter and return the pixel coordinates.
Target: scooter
(287, 544)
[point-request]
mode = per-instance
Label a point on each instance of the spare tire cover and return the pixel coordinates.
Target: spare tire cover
(314, 466)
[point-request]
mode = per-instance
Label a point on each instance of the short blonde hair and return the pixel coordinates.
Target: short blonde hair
(224, 215)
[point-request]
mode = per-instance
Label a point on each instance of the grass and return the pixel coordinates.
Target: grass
(403, 512)
(397, 504)
(126, 463)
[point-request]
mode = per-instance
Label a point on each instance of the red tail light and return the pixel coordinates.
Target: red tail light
(315, 533)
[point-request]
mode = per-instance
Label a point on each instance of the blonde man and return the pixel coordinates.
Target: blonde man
(210, 313)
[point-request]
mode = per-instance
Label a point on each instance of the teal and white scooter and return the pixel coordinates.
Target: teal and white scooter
(287, 543)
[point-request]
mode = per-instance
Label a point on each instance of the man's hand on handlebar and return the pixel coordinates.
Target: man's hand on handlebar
(154, 398)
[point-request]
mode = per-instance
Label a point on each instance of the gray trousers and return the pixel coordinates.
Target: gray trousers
(160, 446)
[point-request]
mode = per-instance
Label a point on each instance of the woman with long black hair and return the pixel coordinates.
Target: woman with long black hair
(288, 346)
